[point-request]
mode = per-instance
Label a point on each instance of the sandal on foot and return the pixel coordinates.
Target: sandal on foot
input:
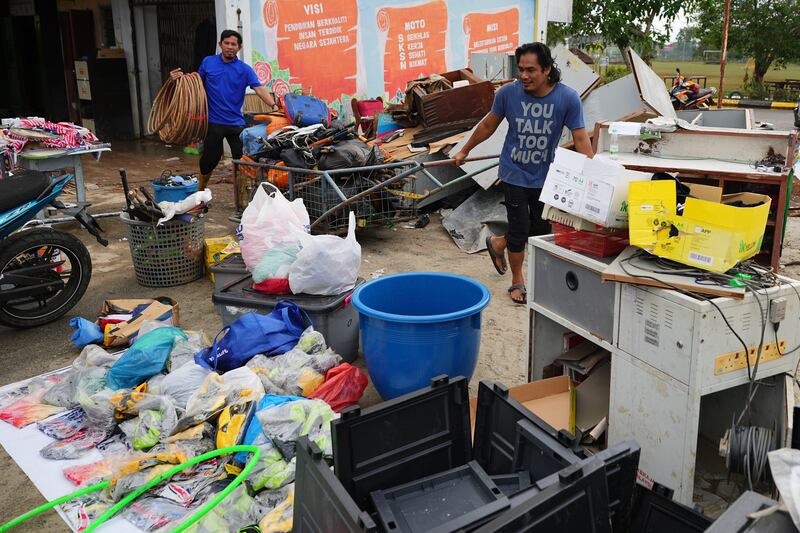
(493, 256)
(521, 288)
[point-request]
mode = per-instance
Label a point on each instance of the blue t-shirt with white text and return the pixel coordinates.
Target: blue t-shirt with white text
(226, 83)
(535, 124)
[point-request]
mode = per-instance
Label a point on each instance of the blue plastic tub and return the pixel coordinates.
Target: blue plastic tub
(173, 194)
(418, 325)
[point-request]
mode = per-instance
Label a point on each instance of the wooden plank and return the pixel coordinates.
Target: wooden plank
(634, 275)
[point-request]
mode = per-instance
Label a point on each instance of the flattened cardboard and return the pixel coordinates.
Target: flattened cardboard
(120, 334)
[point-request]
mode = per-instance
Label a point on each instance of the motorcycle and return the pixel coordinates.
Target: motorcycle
(687, 94)
(43, 272)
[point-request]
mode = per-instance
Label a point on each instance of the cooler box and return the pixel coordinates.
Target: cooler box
(333, 316)
(230, 269)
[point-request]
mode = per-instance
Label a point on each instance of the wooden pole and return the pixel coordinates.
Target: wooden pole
(724, 55)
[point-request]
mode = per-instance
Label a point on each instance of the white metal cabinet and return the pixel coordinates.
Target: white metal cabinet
(665, 348)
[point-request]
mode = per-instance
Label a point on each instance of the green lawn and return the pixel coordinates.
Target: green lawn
(734, 72)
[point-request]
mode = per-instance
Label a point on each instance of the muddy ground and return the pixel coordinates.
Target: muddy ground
(26, 353)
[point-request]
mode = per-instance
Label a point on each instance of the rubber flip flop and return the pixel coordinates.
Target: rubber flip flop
(493, 256)
(523, 291)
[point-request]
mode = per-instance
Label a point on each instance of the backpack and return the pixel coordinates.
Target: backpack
(305, 110)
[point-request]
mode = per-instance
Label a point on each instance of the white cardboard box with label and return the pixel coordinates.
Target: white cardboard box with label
(593, 189)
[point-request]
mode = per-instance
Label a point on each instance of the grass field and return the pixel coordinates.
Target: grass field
(734, 72)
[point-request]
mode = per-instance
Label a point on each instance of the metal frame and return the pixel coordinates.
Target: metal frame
(407, 169)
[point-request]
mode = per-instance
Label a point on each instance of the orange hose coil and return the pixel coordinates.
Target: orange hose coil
(180, 111)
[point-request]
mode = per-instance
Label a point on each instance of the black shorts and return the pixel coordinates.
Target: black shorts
(524, 216)
(212, 145)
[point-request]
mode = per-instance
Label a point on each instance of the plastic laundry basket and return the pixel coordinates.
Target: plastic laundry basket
(419, 325)
(166, 255)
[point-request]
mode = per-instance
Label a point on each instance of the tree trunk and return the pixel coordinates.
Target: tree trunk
(760, 69)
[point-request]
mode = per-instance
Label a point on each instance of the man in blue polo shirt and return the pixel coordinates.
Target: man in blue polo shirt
(537, 107)
(226, 79)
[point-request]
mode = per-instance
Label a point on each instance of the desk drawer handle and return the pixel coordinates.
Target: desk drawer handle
(572, 281)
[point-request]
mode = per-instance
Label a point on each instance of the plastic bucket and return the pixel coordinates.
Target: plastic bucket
(418, 325)
(173, 194)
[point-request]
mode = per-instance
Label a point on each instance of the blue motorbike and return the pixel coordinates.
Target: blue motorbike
(43, 272)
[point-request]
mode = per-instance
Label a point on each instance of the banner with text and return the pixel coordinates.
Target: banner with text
(340, 49)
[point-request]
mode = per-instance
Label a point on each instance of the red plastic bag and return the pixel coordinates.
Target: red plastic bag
(273, 286)
(344, 385)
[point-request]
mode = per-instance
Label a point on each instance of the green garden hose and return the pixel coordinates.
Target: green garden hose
(199, 514)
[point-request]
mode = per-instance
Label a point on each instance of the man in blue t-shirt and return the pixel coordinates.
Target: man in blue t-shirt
(537, 107)
(226, 79)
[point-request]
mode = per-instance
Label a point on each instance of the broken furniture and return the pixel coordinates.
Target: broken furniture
(734, 160)
(470, 100)
(678, 373)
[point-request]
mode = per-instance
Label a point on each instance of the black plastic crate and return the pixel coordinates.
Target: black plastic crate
(537, 452)
(402, 440)
(576, 499)
(496, 420)
(441, 503)
(510, 484)
(736, 519)
(622, 464)
(321, 503)
(655, 512)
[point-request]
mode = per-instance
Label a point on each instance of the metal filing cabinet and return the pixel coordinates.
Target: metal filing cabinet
(675, 374)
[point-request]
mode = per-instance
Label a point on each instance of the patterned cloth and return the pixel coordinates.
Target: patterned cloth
(70, 136)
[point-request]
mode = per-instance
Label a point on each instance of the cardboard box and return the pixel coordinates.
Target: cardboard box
(163, 308)
(552, 400)
(593, 189)
(710, 234)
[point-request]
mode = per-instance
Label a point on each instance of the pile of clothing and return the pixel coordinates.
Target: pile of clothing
(171, 396)
(19, 134)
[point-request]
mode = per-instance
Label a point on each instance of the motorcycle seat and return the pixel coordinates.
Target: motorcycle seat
(702, 92)
(21, 188)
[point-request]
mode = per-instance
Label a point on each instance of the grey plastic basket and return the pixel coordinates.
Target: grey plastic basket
(166, 255)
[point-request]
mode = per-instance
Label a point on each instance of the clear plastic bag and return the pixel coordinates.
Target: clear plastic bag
(280, 518)
(74, 447)
(62, 392)
(190, 486)
(243, 379)
(81, 511)
(295, 372)
(93, 355)
(272, 471)
(64, 425)
(184, 349)
(27, 410)
(99, 409)
(312, 341)
(231, 514)
(156, 419)
(88, 474)
(284, 424)
(182, 383)
(150, 513)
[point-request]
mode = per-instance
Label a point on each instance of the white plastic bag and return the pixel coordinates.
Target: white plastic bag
(326, 264)
(268, 220)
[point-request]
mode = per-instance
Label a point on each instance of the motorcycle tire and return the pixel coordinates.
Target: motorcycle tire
(65, 299)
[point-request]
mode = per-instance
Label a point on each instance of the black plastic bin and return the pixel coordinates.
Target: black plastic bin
(231, 269)
(333, 316)
(736, 519)
(655, 512)
(496, 420)
(575, 499)
(510, 484)
(441, 503)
